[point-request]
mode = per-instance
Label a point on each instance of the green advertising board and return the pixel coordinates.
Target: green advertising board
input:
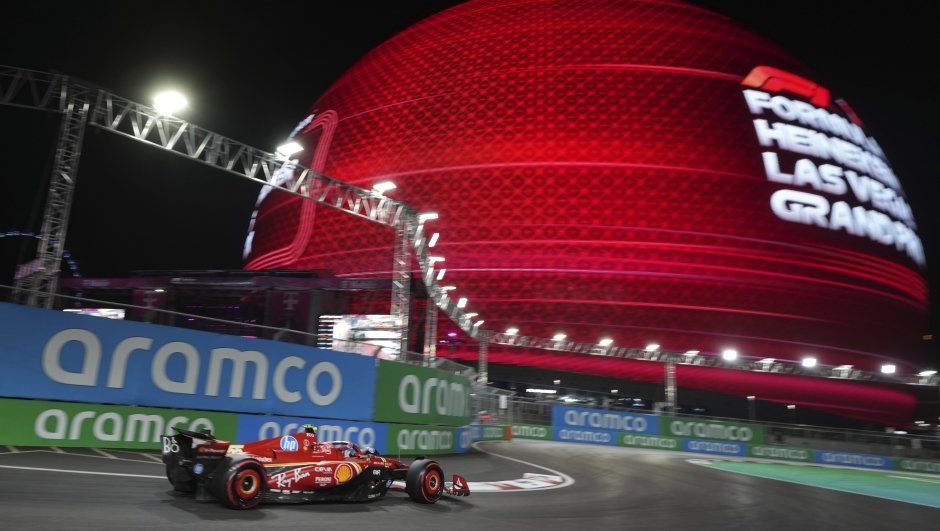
(711, 429)
(531, 431)
(40, 423)
(649, 441)
(779, 452)
(420, 395)
(492, 432)
(917, 465)
(420, 440)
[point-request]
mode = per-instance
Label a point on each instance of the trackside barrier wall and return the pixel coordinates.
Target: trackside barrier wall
(41, 423)
(596, 426)
(52, 355)
(421, 395)
(72, 424)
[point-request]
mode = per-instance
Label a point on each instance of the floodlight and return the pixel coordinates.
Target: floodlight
(448, 288)
(436, 259)
(791, 406)
(289, 149)
(730, 354)
(652, 347)
(383, 186)
(888, 369)
(471, 314)
(478, 323)
(169, 102)
(462, 302)
(440, 274)
(512, 331)
(159, 290)
(809, 362)
(433, 241)
(691, 353)
(559, 337)
(605, 342)
(426, 216)
(927, 373)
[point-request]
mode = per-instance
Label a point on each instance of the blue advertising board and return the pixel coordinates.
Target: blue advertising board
(849, 459)
(466, 436)
(364, 434)
(599, 426)
(714, 447)
(58, 356)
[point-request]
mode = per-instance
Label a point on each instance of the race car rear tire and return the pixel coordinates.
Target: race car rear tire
(424, 482)
(239, 483)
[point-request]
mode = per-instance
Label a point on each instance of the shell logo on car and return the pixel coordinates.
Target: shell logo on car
(344, 472)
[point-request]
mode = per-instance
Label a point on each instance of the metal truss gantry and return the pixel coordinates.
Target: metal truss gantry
(52, 92)
(684, 358)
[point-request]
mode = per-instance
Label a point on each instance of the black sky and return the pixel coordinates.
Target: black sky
(252, 69)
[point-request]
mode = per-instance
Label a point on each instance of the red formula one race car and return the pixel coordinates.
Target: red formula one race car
(295, 469)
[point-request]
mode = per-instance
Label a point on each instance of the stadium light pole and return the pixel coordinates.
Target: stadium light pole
(671, 397)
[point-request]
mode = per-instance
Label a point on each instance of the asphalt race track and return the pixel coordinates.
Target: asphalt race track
(615, 488)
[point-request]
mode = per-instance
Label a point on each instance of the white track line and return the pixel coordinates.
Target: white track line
(13, 449)
(57, 450)
(102, 452)
(82, 472)
(568, 480)
(96, 457)
(155, 458)
(917, 479)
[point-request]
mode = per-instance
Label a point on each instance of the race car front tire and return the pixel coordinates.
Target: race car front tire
(239, 483)
(424, 482)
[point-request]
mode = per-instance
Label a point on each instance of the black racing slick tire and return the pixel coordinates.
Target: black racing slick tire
(239, 484)
(424, 482)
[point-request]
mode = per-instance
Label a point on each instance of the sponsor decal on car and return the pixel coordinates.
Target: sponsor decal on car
(211, 450)
(289, 444)
(198, 468)
(344, 472)
(323, 469)
(287, 479)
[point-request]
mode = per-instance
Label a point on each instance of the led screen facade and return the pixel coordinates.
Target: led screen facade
(644, 171)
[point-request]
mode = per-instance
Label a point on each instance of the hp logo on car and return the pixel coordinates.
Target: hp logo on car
(289, 444)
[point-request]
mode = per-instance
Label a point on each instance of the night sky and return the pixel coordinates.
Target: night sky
(252, 70)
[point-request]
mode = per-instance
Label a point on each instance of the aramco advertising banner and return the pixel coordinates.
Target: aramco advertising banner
(420, 395)
(918, 465)
(731, 432)
(41, 423)
(365, 434)
(46, 354)
(784, 453)
(420, 440)
(531, 431)
(598, 426)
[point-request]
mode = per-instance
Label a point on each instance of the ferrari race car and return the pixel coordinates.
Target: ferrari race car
(295, 469)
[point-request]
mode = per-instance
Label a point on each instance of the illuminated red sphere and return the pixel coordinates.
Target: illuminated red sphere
(597, 172)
